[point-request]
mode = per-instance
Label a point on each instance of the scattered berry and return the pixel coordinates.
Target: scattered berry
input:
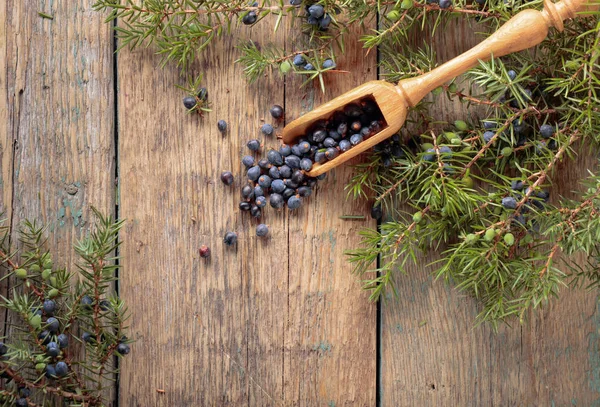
(44, 337)
(294, 202)
(262, 230)
(203, 94)
(247, 192)
(276, 111)
(204, 251)
(189, 102)
(244, 206)
(230, 238)
(276, 201)
(253, 173)
(222, 126)
(261, 201)
(253, 145)
(87, 337)
(264, 181)
(275, 157)
(3, 349)
(21, 274)
(248, 161)
(227, 177)
(123, 349)
(266, 129)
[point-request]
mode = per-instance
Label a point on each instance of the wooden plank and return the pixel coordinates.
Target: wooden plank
(57, 99)
(208, 332)
(431, 354)
(330, 357)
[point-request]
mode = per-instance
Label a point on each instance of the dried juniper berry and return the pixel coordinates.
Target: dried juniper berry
(289, 183)
(331, 153)
(509, 202)
(204, 251)
(342, 129)
(287, 193)
(274, 173)
(258, 191)
(304, 191)
(298, 177)
(296, 150)
(222, 126)
(285, 150)
(277, 186)
(376, 212)
(276, 111)
(244, 206)
(328, 64)
(292, 161)
(264, 164)
(248, 161)
(230, 238)
(260, 201)
(52, 349)
(253, 173)
(345, 145)
(366, 132)
(49, 307)
(329, 142)
(250, 18)
(285, 171)
(266, 129)
(276, 201)
(253, 145)
(247, 192)
(546, 130)
(304, 147)
(227, 177)
(352, 110)
(306, 164)
(320, 157)
(294, 202)
(356, 126)
(189, 102)
(316, 11)
(265, 181)
(319, 135)
(123, 349)
(255, 211)
(275, 157)
(262, 230)
(356, 139)
(299, 60)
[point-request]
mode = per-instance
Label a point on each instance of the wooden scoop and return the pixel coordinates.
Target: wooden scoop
(524, 30)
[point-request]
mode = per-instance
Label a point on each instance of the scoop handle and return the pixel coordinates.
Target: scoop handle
(526, 29)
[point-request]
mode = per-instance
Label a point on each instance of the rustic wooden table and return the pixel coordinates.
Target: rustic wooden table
(279, 322)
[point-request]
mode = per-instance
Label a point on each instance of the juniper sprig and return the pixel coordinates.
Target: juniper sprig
(65, 336)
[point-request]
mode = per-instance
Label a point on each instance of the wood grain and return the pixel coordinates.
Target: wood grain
(57, 140)
(431, 353)
(330, 357)
(209, 332)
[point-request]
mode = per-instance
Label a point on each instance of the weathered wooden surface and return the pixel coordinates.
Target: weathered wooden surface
(276, 322)
(56, 120)
(431, 353)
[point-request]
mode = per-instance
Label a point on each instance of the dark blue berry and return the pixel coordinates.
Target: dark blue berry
(230, 238)
(288, 193)
(342, 129)
(50, 371)
(276, 111)
(227, 177)
(264, 181)
(322, 176)
(63, 341)
(266, 129)
(285, 150)
(3, 349)
(276, 201)
(274, 173)
(52, 349)
(509, 202)
(304, 147)
(260, 201)
(285, 171)
(203, 94)
(319, 135)
(61, 369)
(295, 2)
(488, 125)
(366, 131)
(22, 402)
(247, 192)
(430, 155)
(52, 325)
(517, 185)
(352, 110)
(299, 60)
(518, 126)
(278, 186)
(316, 11)
(253, 173)
(222, 126)
(546, 130)
(249, 18)
(345, 145)
(324, 23)
(244, 206)
(289, 183)
(87, 337)
(292, 161)
(253, 145)
(255, 212)
(44, 337)
(320, 157)
(304, 191)
(49, 307)
(275, 157)
(540, 147)
(331, 153)
(309, 67)
(545, 195)
(312, 20)
(264, 164)
(328, 63)
(329, 142)
(189, 102)
(24, 392)
(298, 177)
(248, 161)
(487, 136)
(445, 3)
(445, 150)
(306, 164)
(512, 75)
(262, 230)
(294, 202)
(123, 349)
(356, 139)
(376, 212)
